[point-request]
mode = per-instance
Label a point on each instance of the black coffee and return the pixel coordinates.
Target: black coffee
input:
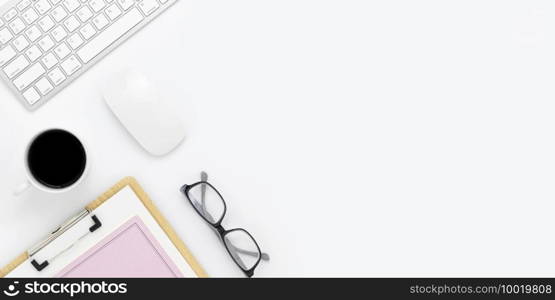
(56, 159)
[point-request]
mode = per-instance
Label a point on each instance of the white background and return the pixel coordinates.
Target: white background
(351, 138)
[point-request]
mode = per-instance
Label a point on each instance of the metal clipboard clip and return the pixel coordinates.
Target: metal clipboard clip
(39, 266)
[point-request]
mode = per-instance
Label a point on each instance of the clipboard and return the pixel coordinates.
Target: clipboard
(96, 223)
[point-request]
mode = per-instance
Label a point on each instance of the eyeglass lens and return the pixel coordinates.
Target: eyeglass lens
(207, 202)
(242, 248)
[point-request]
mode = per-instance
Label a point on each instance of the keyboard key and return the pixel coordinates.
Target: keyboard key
(23, 4)
(30, 16)
(59, 13)
(44, 86)
(110, 35)
(43, 6)
(62, 51)
(55, 2)
(17, 26)
(113, 12)
(100, 21)
(46, 43)
(6, 54)
(71, 23)
(46, 23)
(126, 4)
(29, 76)
(1, 23)
(148, 6)
(57, 76)
(5, 36)
(59, 33)
(33, 33)
(33, 53)
(84, 13)
(71, 65)
(20, 43)
(10, 14)
(88, 31)
(97, 5)
(49, 60)
(75, 41)
(31, 96)
(16, 66)
(71, 5)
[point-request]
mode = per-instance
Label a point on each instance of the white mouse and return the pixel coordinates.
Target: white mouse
(137, 104)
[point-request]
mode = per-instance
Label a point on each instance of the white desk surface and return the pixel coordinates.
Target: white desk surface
(351, 138)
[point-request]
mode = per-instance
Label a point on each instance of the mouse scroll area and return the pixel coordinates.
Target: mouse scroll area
(139, 87)
(137, 104)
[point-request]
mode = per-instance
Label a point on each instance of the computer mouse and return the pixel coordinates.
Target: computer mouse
(136, 102)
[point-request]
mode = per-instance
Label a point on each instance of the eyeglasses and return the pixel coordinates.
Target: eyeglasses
(210, 205)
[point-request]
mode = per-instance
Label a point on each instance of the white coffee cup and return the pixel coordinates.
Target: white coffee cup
(55, 160)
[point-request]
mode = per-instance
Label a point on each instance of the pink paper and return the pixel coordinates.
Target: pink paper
(130, 251)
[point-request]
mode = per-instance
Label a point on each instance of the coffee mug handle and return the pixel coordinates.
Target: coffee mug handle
(22, 187)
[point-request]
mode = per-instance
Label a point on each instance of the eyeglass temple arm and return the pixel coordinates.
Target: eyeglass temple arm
(237, 258)
(203, 177)
(264, 256)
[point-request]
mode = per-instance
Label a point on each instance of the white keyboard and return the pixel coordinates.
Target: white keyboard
(46, 44)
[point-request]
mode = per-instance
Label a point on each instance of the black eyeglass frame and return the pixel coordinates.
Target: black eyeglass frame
(217, 226)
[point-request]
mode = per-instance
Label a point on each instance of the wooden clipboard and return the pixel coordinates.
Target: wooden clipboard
(162, 222)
